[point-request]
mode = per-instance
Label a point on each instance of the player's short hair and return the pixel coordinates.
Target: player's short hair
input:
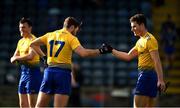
(71, 21)
(26, 20)
(139, 18)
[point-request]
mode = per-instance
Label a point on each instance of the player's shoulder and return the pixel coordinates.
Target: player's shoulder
(150, 37)
(64, 32)
(151, 40)
(33, 36)
(61, 31)
(22, 39)
(68, 34)
(47, 34)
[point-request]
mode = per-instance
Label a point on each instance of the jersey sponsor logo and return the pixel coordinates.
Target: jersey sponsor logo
(148, 37)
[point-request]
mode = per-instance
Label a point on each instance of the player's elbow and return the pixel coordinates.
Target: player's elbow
(32, 45)
(125, 58)
(30, 57)
(83, 54)
(128, 59)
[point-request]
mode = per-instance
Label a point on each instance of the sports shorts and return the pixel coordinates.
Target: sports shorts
(30, 80)
(147, 83)
(56, 81)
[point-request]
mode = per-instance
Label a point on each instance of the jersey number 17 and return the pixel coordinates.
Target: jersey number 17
(52, 43)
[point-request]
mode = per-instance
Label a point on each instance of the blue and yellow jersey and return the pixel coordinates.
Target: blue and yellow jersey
(144, 46)
(60, 45)
(23, 47)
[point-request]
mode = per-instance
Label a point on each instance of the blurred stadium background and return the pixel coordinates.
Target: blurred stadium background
(106, 81)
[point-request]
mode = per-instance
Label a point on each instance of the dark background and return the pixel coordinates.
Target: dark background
(105, 80)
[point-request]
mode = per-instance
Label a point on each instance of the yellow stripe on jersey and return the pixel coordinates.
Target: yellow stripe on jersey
(23, 47)
(60, 45)
(144, 46)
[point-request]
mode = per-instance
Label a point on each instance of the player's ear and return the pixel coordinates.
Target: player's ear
(30, 28)
(72, 27)
(142, 24)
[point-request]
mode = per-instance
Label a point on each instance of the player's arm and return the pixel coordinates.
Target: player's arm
(35, 45)
(73, 81)
(28, 56)
(125, 56)
(83, 52)
(17, 57)
(16, 53)
(158, 68)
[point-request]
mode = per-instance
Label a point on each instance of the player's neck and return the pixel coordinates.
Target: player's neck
(28, 35)
(143, 33)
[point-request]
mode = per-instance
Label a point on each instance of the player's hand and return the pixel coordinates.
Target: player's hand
(105, 48)
(161, 86)
(161, 89)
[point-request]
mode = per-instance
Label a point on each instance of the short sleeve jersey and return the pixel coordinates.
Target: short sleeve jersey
(60, 45)
(23, 47)
(144, 46)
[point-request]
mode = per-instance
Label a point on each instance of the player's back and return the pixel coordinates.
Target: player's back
(60, 45)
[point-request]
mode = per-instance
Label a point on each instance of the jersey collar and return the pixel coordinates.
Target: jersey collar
(144, 36)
